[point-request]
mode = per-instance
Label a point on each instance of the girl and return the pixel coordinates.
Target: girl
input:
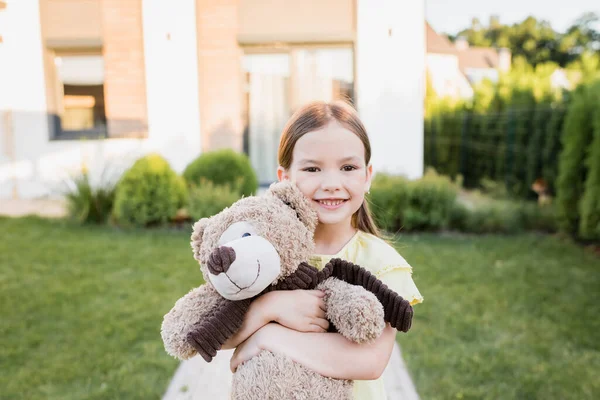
(326, 152)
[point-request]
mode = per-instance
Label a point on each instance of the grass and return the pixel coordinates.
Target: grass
(510, 317)
(82, 306)
(504, 317)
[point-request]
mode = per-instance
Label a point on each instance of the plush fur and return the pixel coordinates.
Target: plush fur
(284, 218)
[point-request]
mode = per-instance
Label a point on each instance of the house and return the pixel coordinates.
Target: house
(455, 67)
(102, 82)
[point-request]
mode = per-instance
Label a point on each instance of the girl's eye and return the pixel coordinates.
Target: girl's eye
(310, 169)
(348, 168)
(246, 234)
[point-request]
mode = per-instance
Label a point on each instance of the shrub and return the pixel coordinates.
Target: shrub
(423, 204)
(389, 198)
(577, 134)
(589, 224)
(459, 217)
(150, 192)
(88, 204)
(497, 217)
(431, 199)
(538, 218)
(223, 167)
(208, 199)
(503, 217)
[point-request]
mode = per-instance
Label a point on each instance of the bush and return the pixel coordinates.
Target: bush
(589, 224)
(389, 199)
(423, 204)
(538, 218)
(87, 204)
(494, 218)
(503, 217)
(459, 217)
(150, 192)
(431, 199)
(223, 167)
(578, 133)
(208, 199)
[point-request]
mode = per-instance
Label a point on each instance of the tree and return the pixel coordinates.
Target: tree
(535, 40)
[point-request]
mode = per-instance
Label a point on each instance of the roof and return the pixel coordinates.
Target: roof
(470, 57)
(437, 43)
(478, 57)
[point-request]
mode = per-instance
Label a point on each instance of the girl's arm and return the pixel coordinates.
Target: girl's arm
(329, 354)
(301, 310)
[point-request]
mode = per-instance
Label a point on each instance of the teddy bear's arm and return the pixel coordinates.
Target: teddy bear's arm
(397, 311)
(356, 313)
(200, 322)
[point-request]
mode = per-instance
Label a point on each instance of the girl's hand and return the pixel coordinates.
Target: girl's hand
(300, 310)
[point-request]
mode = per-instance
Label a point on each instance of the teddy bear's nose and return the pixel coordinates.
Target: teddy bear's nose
(220, 260)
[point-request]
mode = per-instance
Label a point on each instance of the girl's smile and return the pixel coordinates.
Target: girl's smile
(331, 203)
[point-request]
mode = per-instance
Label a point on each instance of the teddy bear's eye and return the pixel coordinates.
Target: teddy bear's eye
(246, 234)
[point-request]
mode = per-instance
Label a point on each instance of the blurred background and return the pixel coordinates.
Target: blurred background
(122, 122)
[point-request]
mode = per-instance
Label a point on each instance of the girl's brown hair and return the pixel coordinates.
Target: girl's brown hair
(314, 116)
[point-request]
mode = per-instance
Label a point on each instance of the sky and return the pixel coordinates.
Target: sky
(450, 16)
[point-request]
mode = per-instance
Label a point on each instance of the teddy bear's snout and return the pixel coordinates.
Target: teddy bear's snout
(220, 260)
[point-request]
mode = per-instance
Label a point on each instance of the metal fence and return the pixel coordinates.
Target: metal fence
(515, 147)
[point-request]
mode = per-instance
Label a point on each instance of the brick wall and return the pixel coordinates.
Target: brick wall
(220, 74)
(125, 86)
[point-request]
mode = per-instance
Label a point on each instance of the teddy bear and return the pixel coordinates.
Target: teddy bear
(260, 244)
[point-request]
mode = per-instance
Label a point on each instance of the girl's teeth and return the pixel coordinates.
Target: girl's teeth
(331, 203)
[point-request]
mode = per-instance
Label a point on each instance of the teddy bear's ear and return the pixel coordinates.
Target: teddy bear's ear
(197, 233)
(293, 197)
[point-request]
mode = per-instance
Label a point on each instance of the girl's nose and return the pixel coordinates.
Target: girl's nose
(331, 182)
(220, 260)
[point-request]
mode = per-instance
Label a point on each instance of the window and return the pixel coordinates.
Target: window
(80, 97)
(279, 83)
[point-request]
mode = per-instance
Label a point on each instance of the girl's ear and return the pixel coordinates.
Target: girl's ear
(197, 233)
(291, 196)
(369, 178)
(281, 174)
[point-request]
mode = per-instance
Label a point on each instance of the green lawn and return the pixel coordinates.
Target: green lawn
(503, 317)
(514, 317)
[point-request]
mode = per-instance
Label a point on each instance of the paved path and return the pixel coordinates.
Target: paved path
(51, 208)
(198, 380)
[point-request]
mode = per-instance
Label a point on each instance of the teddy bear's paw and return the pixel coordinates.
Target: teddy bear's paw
(356, 313)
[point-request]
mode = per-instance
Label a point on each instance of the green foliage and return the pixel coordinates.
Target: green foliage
(506, 217)
(223, 167)
(208, 199)
(552, 147)
(401, 204)
(578, 133)
(89, 204)
(541, 118)
(149, 193)
(589, 224)
(389, 199)
(535, 40)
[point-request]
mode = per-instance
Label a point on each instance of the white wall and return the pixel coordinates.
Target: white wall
(22, 91)
(390, 74)
(171, 59)
(33, 166)
(446, 77)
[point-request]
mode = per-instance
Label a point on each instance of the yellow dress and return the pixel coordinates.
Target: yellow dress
(377, 256)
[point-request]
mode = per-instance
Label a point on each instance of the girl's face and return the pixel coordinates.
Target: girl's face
(328, 166)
